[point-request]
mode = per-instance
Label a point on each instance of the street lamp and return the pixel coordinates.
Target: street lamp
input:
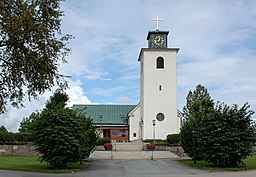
(193, 133)
(154, 130)
(101, 121)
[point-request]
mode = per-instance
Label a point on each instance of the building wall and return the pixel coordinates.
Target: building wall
(153, 100)
(134, 124)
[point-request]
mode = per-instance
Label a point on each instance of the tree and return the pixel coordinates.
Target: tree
(3, 129)
(3, 134)
(31, 48)
(199, 104)
(27, 124)
(228, 135)
(63, 135)
(199, 95)
(58, 100)
(224, 134)
(87, 135)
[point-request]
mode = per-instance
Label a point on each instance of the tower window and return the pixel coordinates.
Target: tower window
(160, 116)
(160, 62)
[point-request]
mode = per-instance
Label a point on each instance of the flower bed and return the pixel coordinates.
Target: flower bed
(151, 147)
(108, 146)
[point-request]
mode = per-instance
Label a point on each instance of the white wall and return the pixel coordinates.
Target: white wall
(153, 100)
(134, 123)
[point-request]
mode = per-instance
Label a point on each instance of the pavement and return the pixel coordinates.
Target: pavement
(131, 155)
(134, 164)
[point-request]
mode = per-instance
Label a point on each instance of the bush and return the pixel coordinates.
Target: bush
(102, 141)
(228, 135)
(62, 135)
(9, 138)
(23, 138)
(173, 139)
(186, 139)
(158, 142)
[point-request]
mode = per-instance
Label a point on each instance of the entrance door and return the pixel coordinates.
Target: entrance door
(106, 133)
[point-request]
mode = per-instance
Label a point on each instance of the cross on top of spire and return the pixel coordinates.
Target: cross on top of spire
(157, 21)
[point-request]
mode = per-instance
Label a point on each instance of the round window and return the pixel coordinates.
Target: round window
(160, 116)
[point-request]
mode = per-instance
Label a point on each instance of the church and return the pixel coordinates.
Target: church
(156, 115)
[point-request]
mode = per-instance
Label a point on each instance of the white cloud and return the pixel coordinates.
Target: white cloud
(130, 76)
(124, 100)
(77, 94)
(107, 91)
(11, 120)
(229, 79)
(216, 40)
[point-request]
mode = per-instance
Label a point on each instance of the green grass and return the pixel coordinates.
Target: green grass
(32, 164)
(250, 163)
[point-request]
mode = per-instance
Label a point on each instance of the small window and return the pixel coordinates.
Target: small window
(160, 87)
(134, 134)
(141, 67)
(160, 116)
(160, 63)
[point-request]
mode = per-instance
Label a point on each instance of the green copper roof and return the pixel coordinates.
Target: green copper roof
(107, 114)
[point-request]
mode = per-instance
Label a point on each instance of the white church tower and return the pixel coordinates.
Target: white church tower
(158, 87)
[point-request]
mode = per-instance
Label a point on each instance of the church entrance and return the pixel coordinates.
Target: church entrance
(118, 134)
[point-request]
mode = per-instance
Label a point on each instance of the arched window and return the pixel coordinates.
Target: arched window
(160, 62)
(160, 116)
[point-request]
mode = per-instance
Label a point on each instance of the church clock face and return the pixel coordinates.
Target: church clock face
(158, 40)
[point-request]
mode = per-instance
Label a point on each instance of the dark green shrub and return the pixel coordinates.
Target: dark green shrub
(173, 139)
(23, 138)
(228, 135)
(7, 138)
(158, 142)
(199, 105)
(62, 135)
(102, 141)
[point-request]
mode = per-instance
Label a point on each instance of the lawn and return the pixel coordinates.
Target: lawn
(31, 163)
(250, 163)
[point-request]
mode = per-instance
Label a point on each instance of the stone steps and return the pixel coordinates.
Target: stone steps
(129, 146)
(131, 155)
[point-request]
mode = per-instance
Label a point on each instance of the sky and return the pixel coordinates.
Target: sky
(217, 41)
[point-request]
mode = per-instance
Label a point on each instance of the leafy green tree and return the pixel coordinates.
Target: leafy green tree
(3, 129)
(3, 134)
(27, 127)
(27, 124)
(87, 135)
(228, 135)
(199, 104)
(31, 48)
(194, 100)
(62, 135)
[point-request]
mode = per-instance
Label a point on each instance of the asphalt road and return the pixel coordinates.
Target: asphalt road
(140, 168)
(119, 168)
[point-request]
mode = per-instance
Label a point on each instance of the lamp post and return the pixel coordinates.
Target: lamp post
(101, 121)
(193, 133)
(154, 130)
(154, 136)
